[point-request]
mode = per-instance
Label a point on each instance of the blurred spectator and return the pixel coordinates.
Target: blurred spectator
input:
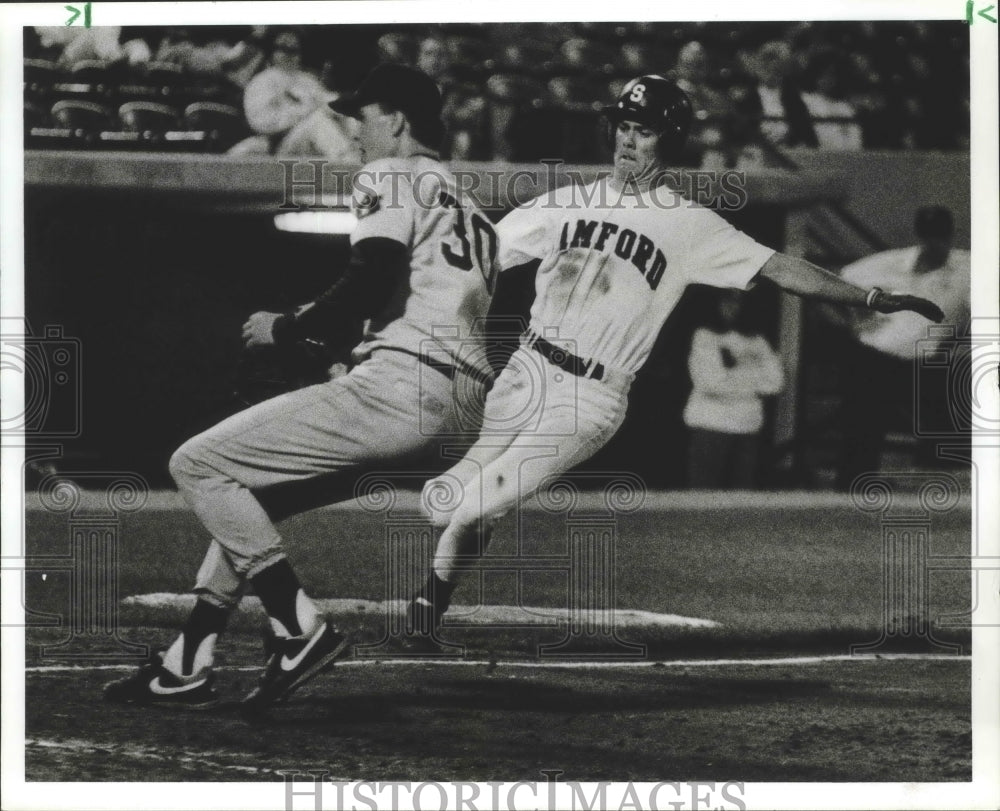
(732, 369)
(465, 110)
(833, 116)
(466, 114)
(395, 47)
(286, 107)
(693, 74)
(432, 59)
(76, 44)
(286, 51)
(137, 45)
(322, 133)
(202, 51)
(247, 57)
(785, 117)
(904, 84)
(879, 386)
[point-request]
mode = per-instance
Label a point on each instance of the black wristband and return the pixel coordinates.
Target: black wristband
(283, 329)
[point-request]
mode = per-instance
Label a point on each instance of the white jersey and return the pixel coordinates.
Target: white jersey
(614, 266)
(452, 248)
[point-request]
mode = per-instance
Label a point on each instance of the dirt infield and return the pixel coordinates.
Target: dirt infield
(843, 720)
(784, 580)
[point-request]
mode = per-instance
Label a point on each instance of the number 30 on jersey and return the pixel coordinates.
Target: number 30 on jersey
(481, 251)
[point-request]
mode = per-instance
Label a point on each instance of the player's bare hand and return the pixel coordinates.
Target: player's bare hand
(894, 302)
(259, 329)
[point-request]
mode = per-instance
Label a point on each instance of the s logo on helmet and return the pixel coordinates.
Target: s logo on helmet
(637, 92)
(366, 204)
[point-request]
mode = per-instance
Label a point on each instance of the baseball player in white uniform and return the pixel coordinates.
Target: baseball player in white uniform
(613, 259)
(423, 257)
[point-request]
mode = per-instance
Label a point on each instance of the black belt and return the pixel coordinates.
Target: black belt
(448, 369)
(566, 361)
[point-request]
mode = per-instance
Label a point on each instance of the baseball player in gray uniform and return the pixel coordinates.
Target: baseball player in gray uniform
(413, 269)
(613, 259)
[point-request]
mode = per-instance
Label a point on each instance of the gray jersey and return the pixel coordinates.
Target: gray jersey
(452, 248)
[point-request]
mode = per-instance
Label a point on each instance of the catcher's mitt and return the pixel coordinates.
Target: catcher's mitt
(264, 372)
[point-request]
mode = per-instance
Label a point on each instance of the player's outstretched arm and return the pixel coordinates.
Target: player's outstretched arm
(379, 266)
(806, 279)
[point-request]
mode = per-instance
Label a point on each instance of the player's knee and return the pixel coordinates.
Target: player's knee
(439, 499)
(185, 462)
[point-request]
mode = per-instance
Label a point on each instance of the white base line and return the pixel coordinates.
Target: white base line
(573, 665)
(193, 758)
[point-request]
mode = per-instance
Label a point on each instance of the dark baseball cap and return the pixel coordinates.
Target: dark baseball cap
(397, 87)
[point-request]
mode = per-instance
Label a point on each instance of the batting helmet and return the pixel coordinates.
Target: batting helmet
(656, 103)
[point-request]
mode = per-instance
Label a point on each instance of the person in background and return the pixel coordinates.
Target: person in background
(465, 109)
(880, 389)
(834, 117)
(785, 117)
(694, 73)
(76, 44)
(247, 57)
(286, 106)
(733, 368)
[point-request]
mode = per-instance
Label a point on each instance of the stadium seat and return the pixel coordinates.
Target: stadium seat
(93, 71)
(35, 115)
(145, 125)
(87, 80)
(75, 123)
(87, 116)
(165, 74)
(169, 79)
(37, 122)
(150, 118)
(140, 116)
(39, 77)
(220, 125)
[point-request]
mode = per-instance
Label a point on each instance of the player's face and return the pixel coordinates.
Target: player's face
(374, 133)
(635, 152)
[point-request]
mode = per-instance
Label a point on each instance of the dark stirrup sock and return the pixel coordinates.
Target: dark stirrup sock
(437, 593)
(278, 589)
(205, 619)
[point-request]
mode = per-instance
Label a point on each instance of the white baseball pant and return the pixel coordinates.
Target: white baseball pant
(387, 410)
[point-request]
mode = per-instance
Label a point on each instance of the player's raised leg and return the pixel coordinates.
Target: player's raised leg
(498, 472)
